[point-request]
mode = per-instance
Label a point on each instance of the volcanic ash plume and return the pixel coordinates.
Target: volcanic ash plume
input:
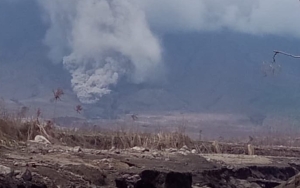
(99, 41)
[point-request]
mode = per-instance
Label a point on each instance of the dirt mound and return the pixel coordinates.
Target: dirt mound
(252, 176)
(293, 182)
(13, 182)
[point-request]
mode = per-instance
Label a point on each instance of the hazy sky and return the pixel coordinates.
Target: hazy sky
(101, 41)
(249, 16)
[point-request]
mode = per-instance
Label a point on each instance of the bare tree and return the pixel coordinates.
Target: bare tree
(274, 66)
(58, 93)
(78, 109)
(134, 117)
(276, 52)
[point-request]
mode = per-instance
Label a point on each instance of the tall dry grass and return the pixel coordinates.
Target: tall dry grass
(14, 129)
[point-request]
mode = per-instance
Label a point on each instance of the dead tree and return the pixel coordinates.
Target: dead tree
(78, 109)
(276, 52)
(134, 117)
(58, 93)
(274, 66)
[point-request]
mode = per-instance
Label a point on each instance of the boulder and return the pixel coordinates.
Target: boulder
(178, 180)
(41, 139)
(77, 149)
(26, 175)
(4, 170)
(140, 149)
(293, 182)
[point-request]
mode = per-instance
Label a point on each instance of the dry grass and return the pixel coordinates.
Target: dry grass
(123, 140)
(14, 129)
(17, 131)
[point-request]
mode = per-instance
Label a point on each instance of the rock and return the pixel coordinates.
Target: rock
(110, 167)
(194, 151)
(171, 150)
(136, 148)
(178, 180)
(112, 148)
(184, 148)
(26, 175)
(77, 149)
(13, 182)
(41, 139)
(20, 164)
(91, 174)
(127, 181)
(105, 160)
(153, 179)
(140, 149)
(155, 154)
(183, 153)
(293, 182)
(4, 170)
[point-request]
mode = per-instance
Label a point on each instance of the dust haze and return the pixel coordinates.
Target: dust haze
(118, 57)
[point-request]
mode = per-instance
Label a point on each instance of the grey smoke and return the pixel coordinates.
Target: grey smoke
(100, 41)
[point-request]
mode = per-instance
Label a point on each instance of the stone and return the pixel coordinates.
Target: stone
(140, 149)
(293, 182)
(183, 153)
(13, 182)
(77, 149)
(26, 175)
(184, 148)
(112, 148)
(4, 170)
(178, 180)
(194, 151)
(171, 150)
(153, 179)
(105, 160)
(41, 139)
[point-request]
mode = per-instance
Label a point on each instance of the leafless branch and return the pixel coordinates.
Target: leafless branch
(78, 109)
(134, 117)
(57, 94)
(283, 53)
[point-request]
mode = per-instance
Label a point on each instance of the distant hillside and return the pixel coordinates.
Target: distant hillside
(205, 72)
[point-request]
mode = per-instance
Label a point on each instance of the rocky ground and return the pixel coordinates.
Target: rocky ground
(38, 164)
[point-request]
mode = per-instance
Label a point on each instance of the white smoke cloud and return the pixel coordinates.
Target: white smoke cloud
(276, 17)
(99, 41)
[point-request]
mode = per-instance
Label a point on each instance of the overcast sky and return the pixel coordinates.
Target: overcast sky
(250, 16)
(100, 41)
